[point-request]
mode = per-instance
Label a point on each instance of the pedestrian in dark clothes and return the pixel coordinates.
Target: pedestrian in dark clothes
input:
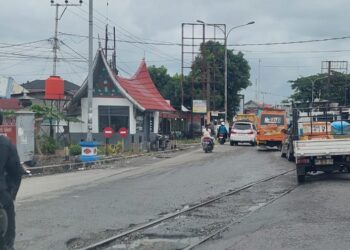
(11, 173)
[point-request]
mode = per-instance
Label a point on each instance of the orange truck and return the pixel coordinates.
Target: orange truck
(271, 124)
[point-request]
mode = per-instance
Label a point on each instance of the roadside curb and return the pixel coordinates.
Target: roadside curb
(80, 166)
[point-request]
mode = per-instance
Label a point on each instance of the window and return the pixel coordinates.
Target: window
(115, 117)
(242, 126)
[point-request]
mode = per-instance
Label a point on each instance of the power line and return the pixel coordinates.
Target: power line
(125, 41)
(235, 45)
(292, 42)
(8, 45)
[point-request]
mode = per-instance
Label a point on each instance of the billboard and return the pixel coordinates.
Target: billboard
(6, 86)
(199, 106)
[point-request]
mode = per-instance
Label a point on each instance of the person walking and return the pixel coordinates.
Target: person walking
(11, 173)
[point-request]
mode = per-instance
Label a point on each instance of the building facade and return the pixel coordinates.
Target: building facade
(118, 102)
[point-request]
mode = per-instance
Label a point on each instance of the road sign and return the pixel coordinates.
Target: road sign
(108, 132)
(123, 132)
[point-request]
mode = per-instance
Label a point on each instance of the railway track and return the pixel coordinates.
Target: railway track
(254, 195)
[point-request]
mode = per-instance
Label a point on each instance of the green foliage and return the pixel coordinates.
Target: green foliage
(101, 150)
(112, 149)
(168, 86)
(48, 145)
(336, 91)
(74, 149)
(211, 62)
(8, 113)
(50, 113)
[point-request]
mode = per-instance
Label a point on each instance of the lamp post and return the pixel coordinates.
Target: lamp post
(226, 34)
(312, 87)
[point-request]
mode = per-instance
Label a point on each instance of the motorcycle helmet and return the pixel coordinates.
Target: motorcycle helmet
(222, 123)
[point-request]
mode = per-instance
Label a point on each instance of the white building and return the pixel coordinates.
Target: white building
(133, 103)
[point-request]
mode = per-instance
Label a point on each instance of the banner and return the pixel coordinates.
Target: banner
(6, 86)
(199, 106)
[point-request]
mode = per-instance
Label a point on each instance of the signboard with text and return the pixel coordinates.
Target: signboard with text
(199, 106)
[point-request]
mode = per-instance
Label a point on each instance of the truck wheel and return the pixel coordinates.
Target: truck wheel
(232, 143)
(301, 178)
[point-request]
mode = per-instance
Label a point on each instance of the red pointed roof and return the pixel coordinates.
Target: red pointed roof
(139, 89)
(142, 89)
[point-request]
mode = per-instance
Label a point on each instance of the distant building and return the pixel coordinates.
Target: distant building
(253, 107)
(36, 89)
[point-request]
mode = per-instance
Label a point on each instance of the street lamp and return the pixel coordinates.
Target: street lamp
(312, 87)
(226, 34)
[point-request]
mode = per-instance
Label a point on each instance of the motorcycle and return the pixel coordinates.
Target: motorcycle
(207, 144)
(222, 139)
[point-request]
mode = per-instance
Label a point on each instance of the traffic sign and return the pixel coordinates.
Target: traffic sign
(108, 132)
(123, 132)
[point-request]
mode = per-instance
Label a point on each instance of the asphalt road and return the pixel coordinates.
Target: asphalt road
(89, 205)
(313, 216)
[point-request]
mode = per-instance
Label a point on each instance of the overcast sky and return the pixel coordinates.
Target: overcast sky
(160, 21)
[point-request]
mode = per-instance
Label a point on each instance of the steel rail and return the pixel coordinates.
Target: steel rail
(108, 241)
(221, 230)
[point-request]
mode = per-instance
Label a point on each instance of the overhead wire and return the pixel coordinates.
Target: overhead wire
(133, 37)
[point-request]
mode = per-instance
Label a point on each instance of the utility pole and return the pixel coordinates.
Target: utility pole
(55, 39)
(90, 75)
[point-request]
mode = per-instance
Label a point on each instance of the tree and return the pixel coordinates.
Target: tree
(207, 66)
(210, 63)
(168, 86)
(336, 91)
(51, 114)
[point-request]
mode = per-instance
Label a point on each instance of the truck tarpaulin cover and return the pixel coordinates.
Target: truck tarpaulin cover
(340, 127)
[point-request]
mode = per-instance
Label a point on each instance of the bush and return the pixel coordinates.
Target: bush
(112, 149)
(74, 149)
(48, 145)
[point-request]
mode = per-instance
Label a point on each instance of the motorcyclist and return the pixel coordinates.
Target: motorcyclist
(222, 130)
(206, 132)
(10, 179)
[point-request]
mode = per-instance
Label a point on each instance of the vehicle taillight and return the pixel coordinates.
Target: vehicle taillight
(233, 131)
(303, 161)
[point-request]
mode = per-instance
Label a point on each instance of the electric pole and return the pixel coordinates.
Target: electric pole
(90, 75)
(55, 39)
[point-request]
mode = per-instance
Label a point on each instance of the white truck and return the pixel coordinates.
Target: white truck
(321, 141)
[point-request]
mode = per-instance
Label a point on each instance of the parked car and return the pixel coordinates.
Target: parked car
(243, 132)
